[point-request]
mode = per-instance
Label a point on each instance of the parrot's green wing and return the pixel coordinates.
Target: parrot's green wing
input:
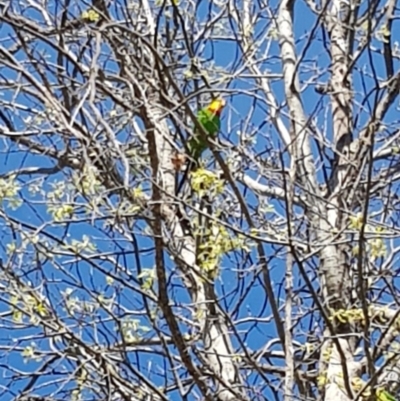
(383, 395)
(211, 124)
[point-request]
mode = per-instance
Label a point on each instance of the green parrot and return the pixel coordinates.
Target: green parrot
(383, 395)
(210, 118)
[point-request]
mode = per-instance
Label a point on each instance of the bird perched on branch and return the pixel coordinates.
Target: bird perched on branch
(209, 118)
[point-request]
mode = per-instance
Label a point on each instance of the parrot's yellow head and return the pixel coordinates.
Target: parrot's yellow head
(216, 106)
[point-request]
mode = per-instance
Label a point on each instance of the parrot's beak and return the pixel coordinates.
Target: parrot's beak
(222, 103)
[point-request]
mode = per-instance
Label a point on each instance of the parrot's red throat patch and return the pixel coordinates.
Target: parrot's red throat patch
(216, 112)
